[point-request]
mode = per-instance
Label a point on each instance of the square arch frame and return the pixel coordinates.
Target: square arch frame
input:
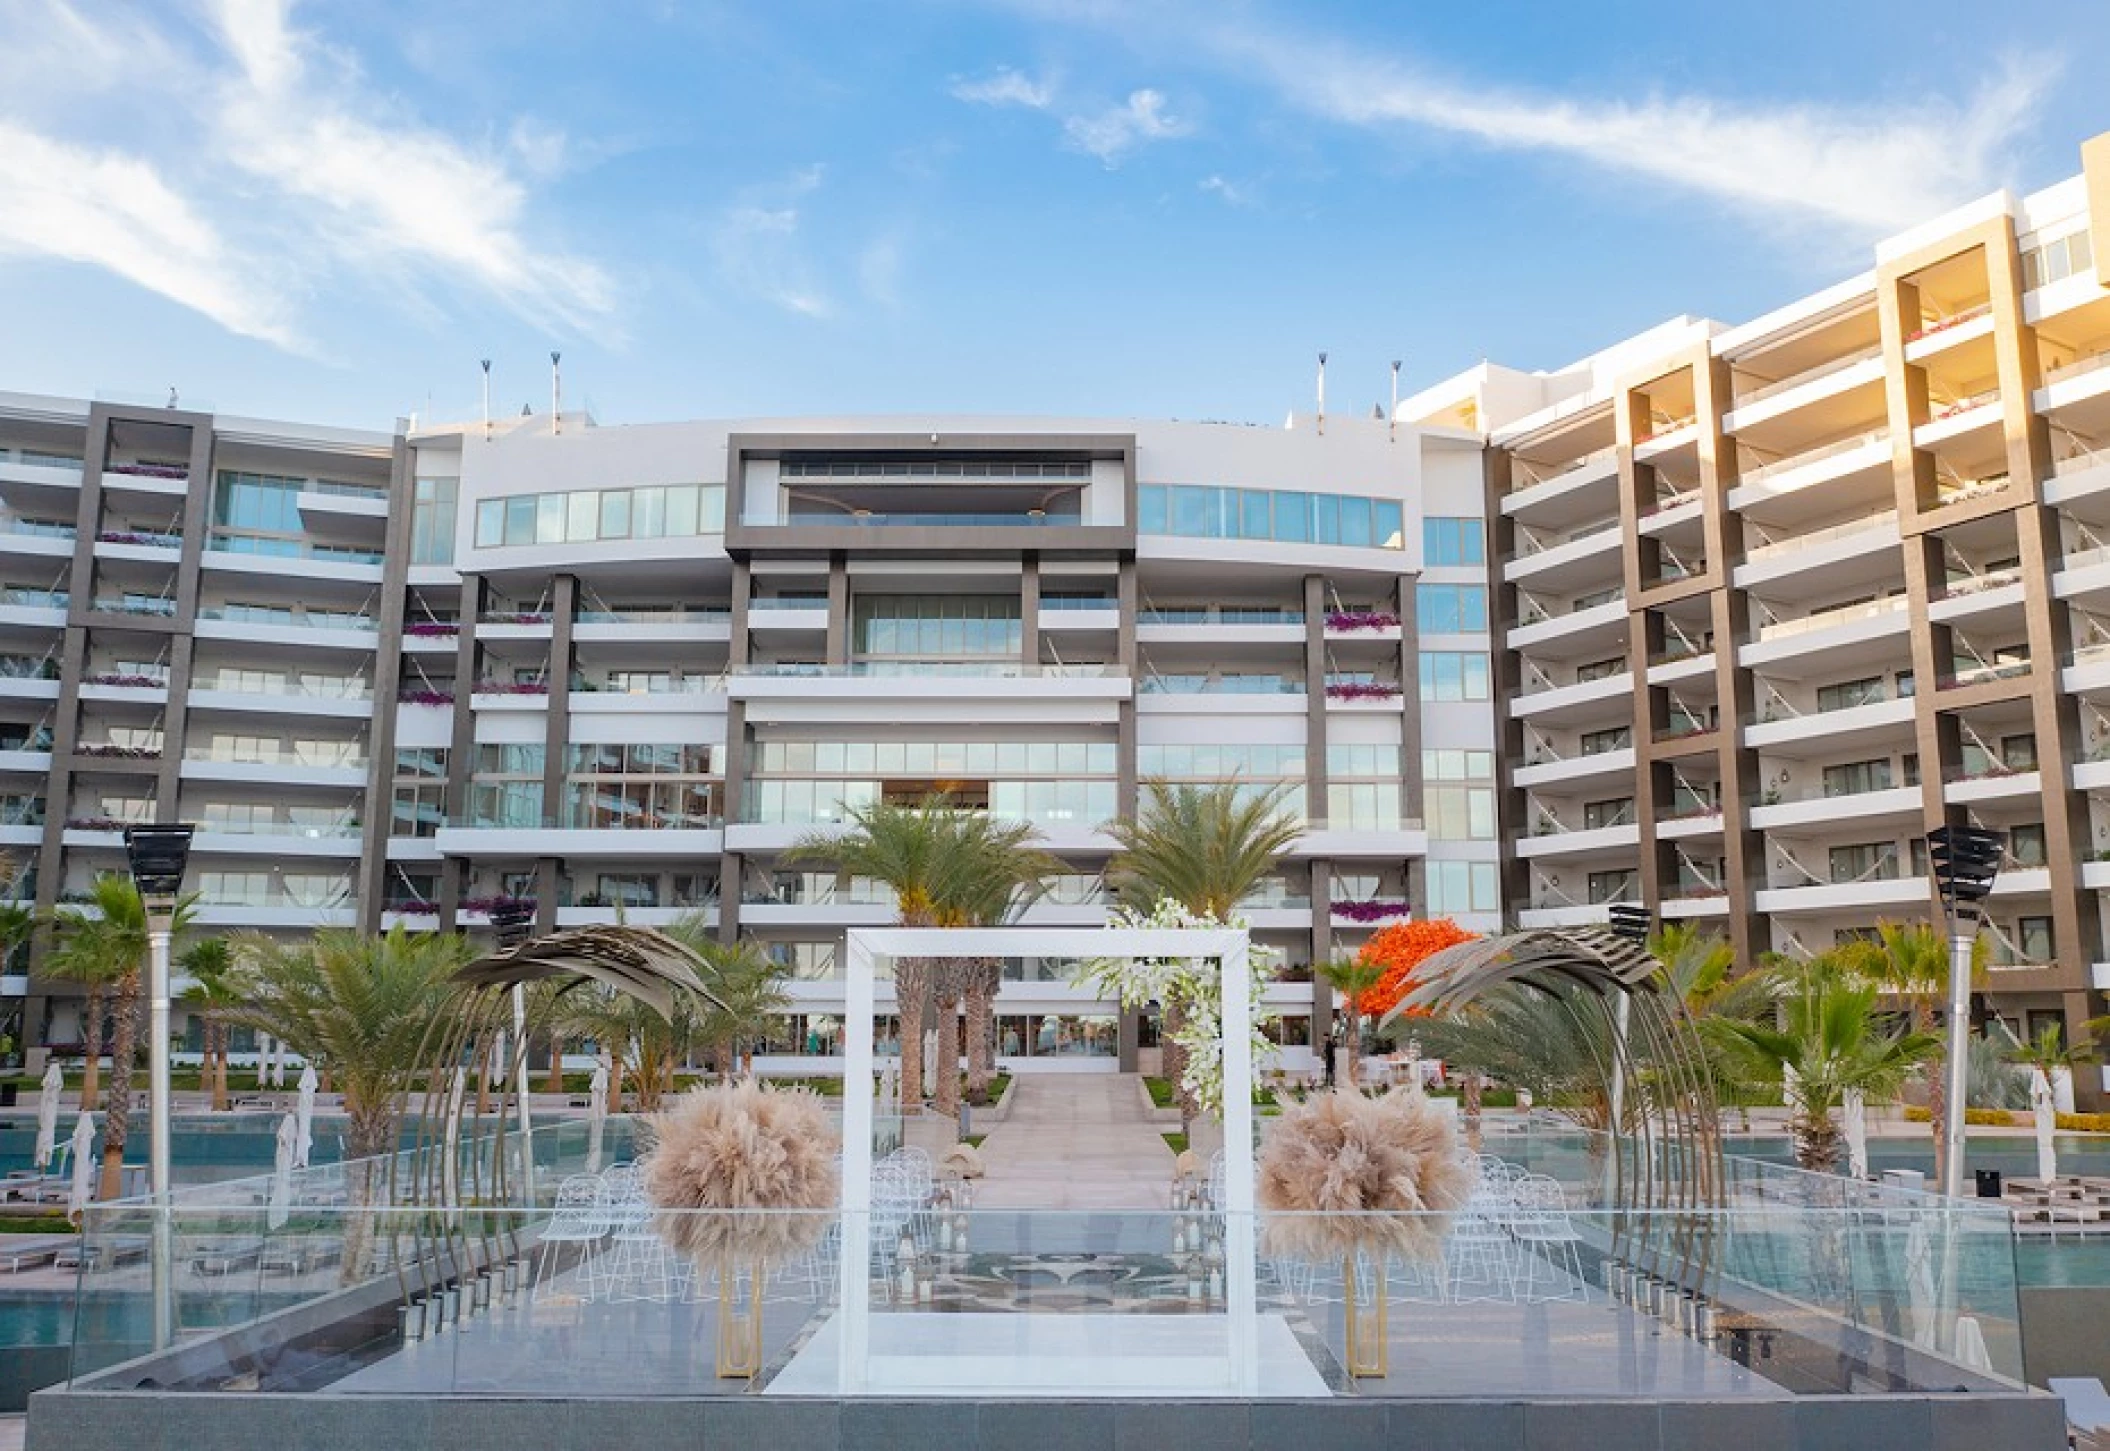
(1228, 948)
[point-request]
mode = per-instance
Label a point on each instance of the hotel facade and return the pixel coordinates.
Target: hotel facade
(1720, 620)
(617, 672)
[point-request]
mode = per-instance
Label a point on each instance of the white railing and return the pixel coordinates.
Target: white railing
(1811, 456)
(2089, 364)
(1522, 477)
(1820, 536)
(1810, 375)
(1826, 619)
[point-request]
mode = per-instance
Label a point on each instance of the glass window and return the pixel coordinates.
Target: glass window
(615, 514)
(2033, 938)
(1453, 542)
(582, 516)
(1292, 517)
(490, 523)
(1151, 509)
(1463, 887)
(648, 513)
(520, 520)
(681, 511)
(549, 518)
(1856, 777)
(1258, 513)
(1452, 609)
(1388, 516)
(2026, 844)
(1326, 518)
(1193, 512)
(1453, 675)
(1850, 693)
(1355, 520)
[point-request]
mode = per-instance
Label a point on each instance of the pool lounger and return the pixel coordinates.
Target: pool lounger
(103, 1254)
(225, 1259)
(31, 1250)
(298, 1259)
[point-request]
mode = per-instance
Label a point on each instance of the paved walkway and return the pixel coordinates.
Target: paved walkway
(1077, 1141)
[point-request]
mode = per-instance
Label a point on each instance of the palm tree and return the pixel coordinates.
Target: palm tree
(747, 984)
(641, 1045)
(1206, 847)
(2049, 1055)
(1351, 977)
(1530, 1041)
(929, 860)
(212, 995)
(1914, 965)
(357, 1005)
(105, 941)
(1011, 875)
(1828, 1042)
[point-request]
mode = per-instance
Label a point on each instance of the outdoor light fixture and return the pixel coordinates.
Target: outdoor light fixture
(1631, 922)
(1965, 859)
(159, 854)
(510, 922)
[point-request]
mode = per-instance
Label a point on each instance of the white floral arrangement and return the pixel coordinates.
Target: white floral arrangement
(1191, 988)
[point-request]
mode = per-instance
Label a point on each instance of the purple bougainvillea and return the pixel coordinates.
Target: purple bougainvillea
(1361, 690)
(1374, 910)
(1361, 620)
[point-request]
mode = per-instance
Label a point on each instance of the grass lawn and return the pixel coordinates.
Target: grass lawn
(1176, 1141)
(1163, 1096)
(37, 1224)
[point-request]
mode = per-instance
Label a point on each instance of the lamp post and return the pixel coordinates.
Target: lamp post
(1965, 860)
(510, 923)
(1634, 924)
(158, 856)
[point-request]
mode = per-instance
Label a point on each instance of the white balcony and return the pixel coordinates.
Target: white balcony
(1975, 599)
(140, 693)
(1868, 454)
(701, 702)
(1574, 562)
(287, 773)
(1224, 632)
(321, 568)
(29, 834)
(286, 916)
(45, 551)
(318, 636)
(1689, 825)
(1686, 667)
(1574, 770)
(1570, 700)
(1830, 631)
(632, 916)
(1994, 788)
(1883, 720)
(341, 513)
(1959, 420)
(1625, 839)
(1776, 400)
(1589, 472)
(1605, 621)
(284, 842)
(1361, 843)
(30, 763)
(509, 700)
(1860, 898)
(2074, 479)
(1897, 803)
(45, 476)
(28, 687)
(705, 630)
(1542, 918)
(1676, 909)
(1937, 337)
(264, 702)
(1832, 550)
(528, 841)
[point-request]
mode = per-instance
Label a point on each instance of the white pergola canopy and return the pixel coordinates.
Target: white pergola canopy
(1227, 948)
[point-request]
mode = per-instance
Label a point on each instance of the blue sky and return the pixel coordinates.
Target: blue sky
(1148, 207)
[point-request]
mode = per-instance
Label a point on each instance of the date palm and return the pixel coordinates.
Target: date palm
(1206, 847)
(1827, 1042)
(211, 997)
(359, 1006)
(1351, 977)
(746, 983)
(104, 940)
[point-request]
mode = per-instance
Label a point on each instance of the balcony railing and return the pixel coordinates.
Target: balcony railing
(1980, 674)
(2089, 364)
(863, 519)
(1809, 375)
(1827, 619)
(984, 669)
(1810, 456)
(37, 529)
(1219, 615)
(1814, 537)
(670, 615)
(1522, 477)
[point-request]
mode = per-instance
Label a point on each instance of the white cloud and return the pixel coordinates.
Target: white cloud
(242, 165)
(1875, 167)
(1865, 167)
(1109, 134)
(113, 211)
(1006, 88)
(1232, 193)
(760, 252)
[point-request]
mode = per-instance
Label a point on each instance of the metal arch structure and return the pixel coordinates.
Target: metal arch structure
(1666, 1165)
(465, 1182)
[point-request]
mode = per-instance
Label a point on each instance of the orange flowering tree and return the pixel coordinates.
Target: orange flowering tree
(1399, 949)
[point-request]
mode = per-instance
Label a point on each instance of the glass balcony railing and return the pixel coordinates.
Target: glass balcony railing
(295, 618)
(866, 519)
(1828, 619)
(984, 669)
(1525, 476)
(1777, 467)
(1774, 549)
(658, 615)
(326, 756)
(1218, 615)
(37, 529)
(1178, 684)
(1809, 375)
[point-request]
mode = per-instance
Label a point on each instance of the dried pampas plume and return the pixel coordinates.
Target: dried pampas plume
(740, 1146)
(1333, 1161)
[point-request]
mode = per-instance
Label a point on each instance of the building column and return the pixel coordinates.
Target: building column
(838, 609)
(556, 739)
(371, 883)
(1029, 610)
(461, 746)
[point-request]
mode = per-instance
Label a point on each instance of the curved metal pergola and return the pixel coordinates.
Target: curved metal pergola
(472, 1193)
(1666, 1165)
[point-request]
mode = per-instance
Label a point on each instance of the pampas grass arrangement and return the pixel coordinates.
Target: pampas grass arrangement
(1333, 1163)
(741, 1147)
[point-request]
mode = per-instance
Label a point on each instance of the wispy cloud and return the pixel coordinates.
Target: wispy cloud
(760, 252)
(249, 164)
(1861, 166)
(1111, 133)
(1108, 132)
(1006, 88)
(1231, 193)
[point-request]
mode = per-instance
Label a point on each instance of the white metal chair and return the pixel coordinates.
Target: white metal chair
(577, 1219)
(1548, 1243)
(639, 1268)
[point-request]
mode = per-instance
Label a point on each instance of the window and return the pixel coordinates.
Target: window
(1849, 693)
(1597, 815)
(935, 627)
(1444, 765)
(2033, 939)
(1906, 684)
(1856, 777)
(1453, 675)
(1460, 813)
(1206, 511)
(432, 521)
(1600, 669)
(1597, 743)
(584, 516)
(1452, 609)
(1453, 542)
(1616, 886)
(1464, 887)
(2057, 260)
(2026, 844)
(2019, 753)
(1911, 764)
(1871, 862)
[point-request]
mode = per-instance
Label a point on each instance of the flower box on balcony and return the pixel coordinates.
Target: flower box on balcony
(118, 753)
(484, 906)
(94, 823)
(431, 629)
(1361, 690)
(512, 687)
(129, 682)
(1374, 910)
(1352, 620)
(425, 697)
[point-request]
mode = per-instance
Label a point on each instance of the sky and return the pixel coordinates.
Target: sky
(1152, 208)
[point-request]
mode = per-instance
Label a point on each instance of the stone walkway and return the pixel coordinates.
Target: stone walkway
(1077, 1141)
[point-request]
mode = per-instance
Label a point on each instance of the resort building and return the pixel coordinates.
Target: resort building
(1773, 600)
(619, 670)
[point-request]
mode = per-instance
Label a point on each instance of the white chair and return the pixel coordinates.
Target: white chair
(1477, 1260)
(1548, 1243)
(638, 1265)
(578, 1220)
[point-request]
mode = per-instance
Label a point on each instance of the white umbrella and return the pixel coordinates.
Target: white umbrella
(1919, 1283)
(1856, 1133)
(48, 1115)
(304, 1117)
(1970, 1344)
(278, 1064)
(83, 1150)
(501, 1062)
(2044, 1113)
(451, 1142)
(282, 1171)
(597, 1113)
